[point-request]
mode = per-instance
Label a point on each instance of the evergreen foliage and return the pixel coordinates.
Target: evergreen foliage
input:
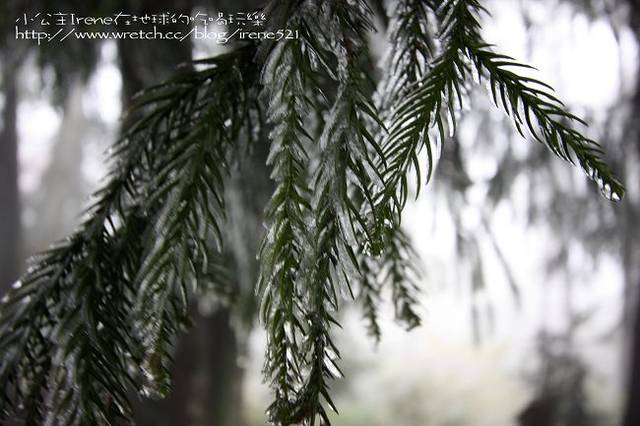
(94, 318)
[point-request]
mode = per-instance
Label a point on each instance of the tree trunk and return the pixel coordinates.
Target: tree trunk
(207, 387)
(63, 188)
(632, 413)
(631, 255)
(9, 196)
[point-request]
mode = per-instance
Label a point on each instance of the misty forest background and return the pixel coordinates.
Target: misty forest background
(531, 278)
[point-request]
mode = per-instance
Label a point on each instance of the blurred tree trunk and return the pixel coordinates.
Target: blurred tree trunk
(9, 196)
(63, 187)
(207, 387)
(631, 254)
(632, 413)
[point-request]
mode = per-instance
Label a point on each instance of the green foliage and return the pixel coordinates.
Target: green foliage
(99, 308)
(95, 317)
(285, 89)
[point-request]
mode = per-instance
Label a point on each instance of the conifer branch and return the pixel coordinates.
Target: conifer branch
(186, 230)
(409, 57)
(67, 324)
(345, 173)
(429, 102)
(286, 84)
(437, 95)
(369, 296)
(528, 101)
(346, 168)
(401, 271)
(412, 47)
(531, 104)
